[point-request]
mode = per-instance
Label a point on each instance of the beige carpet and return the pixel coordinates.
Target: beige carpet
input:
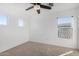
(35, 49)
(75, 53)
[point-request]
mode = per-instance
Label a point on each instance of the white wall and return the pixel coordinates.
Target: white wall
(44, 28)
(77, 12)
(11, 35)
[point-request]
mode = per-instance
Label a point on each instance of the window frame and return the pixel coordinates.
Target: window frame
(20, 22)
(5, 22)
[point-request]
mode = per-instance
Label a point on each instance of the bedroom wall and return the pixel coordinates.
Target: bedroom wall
(44, 28)
(12, 35)
(77, 11)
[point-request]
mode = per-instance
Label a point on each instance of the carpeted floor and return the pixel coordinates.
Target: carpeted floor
(35, 49)
(75, 53)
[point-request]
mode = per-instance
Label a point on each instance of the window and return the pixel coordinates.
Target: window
(20, 22)
(65, 27)
(65, 21)
(3, 20)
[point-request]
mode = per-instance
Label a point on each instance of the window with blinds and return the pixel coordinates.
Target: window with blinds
(65, 29)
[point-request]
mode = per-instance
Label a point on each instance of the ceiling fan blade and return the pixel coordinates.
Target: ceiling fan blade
(34, 3)
(51, 4)
(38, 11)
(44, 6)
(30, 8)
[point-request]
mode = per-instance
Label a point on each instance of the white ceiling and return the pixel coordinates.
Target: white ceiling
(64, 6)
(20, 7)
(58, 6)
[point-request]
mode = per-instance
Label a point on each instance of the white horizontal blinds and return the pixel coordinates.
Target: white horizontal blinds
(65, 33)
(65, 29)
(20, 22)
(3, 20)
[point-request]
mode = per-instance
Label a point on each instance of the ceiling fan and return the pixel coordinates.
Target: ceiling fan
(37, 6)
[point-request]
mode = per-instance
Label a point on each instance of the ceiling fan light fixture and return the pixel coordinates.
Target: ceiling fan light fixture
(36, 7)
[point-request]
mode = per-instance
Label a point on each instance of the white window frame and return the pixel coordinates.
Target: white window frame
(5, 22)
(20, 22)
(63, 34)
